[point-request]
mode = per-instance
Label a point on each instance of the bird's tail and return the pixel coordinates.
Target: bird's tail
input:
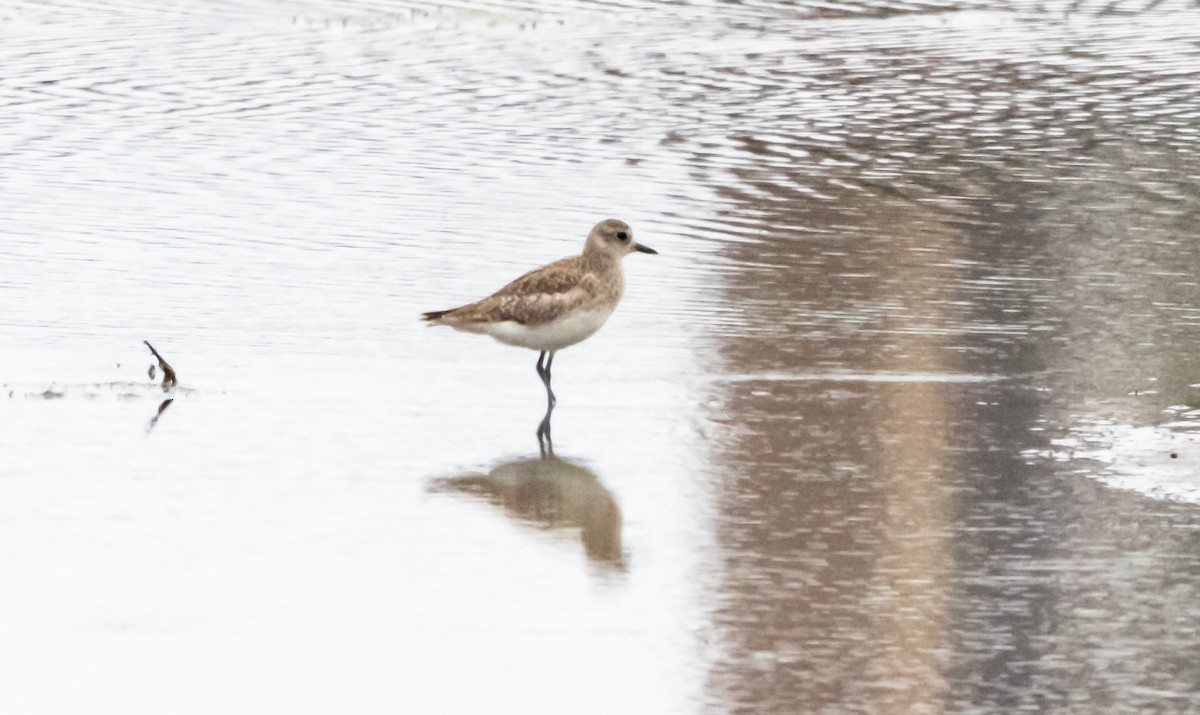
(435, 315)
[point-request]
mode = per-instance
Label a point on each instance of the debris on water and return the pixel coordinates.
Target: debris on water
(150, 372)
(168, 380)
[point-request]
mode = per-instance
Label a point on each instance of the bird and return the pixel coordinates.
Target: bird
(553, 307)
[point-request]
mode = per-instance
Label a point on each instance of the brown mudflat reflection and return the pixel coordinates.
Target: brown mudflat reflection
(963, 209)
(550, 493)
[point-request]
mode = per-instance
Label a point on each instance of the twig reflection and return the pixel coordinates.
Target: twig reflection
(161, 409)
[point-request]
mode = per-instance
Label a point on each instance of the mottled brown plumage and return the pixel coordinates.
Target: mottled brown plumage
(541, 295)
(588, 283)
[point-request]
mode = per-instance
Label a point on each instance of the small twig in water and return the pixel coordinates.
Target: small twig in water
(168, 372)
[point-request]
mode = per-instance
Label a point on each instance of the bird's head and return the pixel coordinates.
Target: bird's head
(615, 238)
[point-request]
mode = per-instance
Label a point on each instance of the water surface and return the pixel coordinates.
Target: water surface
(904, 418)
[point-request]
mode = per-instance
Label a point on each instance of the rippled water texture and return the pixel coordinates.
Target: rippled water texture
(905, 416)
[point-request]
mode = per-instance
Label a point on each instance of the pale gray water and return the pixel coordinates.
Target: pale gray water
(886, 427)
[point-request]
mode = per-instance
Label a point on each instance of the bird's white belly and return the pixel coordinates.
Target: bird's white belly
(555, 335)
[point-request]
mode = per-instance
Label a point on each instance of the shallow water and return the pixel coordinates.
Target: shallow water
(904, 418)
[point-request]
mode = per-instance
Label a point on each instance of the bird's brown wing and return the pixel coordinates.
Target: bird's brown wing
(539, 296)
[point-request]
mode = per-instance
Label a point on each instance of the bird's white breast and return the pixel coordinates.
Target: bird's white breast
(571, 328)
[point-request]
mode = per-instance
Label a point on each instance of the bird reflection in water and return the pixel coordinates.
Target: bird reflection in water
(550, 493)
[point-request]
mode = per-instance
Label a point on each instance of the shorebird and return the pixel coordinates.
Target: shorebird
(555, 306)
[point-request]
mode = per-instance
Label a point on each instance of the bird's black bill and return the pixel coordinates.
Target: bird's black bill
(644, 249)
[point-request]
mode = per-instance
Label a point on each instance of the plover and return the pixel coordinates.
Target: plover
(555, 306)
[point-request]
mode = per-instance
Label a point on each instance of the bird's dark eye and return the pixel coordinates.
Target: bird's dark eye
(622, 235)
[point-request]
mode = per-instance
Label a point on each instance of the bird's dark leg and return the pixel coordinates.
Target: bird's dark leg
(544, 427)
(550, 400)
